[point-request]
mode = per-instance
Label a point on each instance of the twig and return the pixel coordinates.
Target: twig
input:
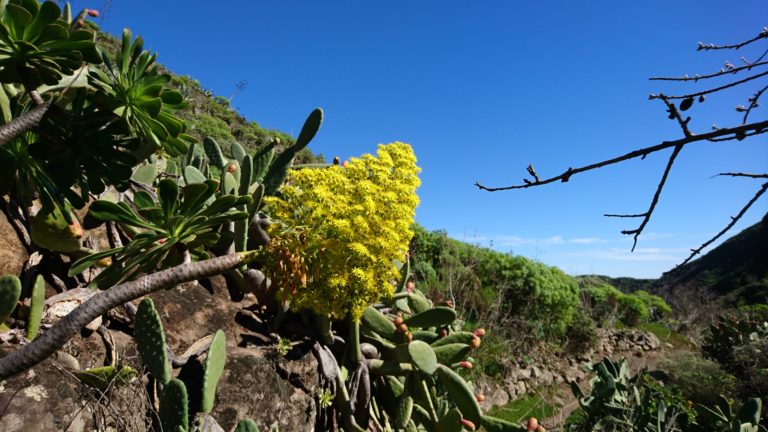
(675, 114)
(735, 219)
(713, 90)
(647, 215)
(758, 127)
(754, 102)
(706, 47)
(744, 175)
(722, 72)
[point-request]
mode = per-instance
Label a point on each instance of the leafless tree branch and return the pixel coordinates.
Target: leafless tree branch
(722, 72)
(758, 127)
(712, 90)
(707, 47)
(734, 219)
(744, 175)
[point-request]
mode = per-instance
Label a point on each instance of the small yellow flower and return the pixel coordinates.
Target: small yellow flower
(341, 228)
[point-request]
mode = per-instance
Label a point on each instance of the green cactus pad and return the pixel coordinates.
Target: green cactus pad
(174, 406)
(437, 316)
(493, 424)
(237, 151)
(214, 366)
(56, 231)
(247, 425)
(261, 161)
(279, 169)
(146, 174)
(423, 356)
(150, 341)
(213, 151)
(425, 335)
(460, 393)
(404, 410)
(193, 175)
(102, 377)
(36, 306)
(377, 322)
(246, 175)
(418, 302)
(10, 291)
(456, 337)
(450, 422)
(405, 274)
(451, 353)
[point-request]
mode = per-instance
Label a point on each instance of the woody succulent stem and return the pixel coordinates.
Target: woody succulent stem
(53, 339)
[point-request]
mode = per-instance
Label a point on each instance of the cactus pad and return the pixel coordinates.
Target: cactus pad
(214, 366)
(36, 306)
(150, 341)
(247, 425)
(423, 356)
(437, 316)
(10, 291)
(460, 393)
(174, 410)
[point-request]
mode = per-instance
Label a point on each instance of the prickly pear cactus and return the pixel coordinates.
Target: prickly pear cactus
(214, 366)
(10, 291)
(36, 305)
(174, 406)
(150, 341)
(213, 151)
(247, 425)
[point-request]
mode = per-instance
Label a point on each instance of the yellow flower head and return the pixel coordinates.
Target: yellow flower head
(340, 229)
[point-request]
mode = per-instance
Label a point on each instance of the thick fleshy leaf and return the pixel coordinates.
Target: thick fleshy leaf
(168, 193)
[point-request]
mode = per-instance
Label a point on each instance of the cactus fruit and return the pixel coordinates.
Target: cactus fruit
(247, 425)
(214, 366)
(174, 406)
(150, 341)
(36, 305)
(10, 291)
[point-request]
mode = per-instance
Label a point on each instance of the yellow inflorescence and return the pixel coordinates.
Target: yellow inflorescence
(340, 229)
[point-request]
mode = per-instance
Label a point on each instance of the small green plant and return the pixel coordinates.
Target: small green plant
(284, 346)
(173, 228)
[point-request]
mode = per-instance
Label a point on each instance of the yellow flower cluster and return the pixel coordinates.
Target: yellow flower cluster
(340, 229)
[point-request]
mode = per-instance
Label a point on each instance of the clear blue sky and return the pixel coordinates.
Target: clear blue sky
(482, 89)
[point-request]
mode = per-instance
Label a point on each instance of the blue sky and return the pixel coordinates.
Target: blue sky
(482, 89)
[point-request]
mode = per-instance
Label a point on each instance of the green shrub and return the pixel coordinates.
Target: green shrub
(581, 334)
(699, 379)
(633, 310)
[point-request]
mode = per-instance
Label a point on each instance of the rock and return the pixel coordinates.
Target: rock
(545, 378)
(13, 255)
(668, 345)
(535, 372)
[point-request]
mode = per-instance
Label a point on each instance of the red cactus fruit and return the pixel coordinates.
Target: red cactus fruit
(467, 424)
(93, 12)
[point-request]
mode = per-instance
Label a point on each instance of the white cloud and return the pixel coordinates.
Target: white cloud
(586, 240)
(515, 241)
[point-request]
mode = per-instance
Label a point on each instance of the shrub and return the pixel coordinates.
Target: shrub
(699, 379)
(581, 334)
(633, 310)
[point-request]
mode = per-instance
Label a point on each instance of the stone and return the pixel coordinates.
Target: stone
(13, 254)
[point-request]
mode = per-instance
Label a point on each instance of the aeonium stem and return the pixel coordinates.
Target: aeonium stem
(53, 339)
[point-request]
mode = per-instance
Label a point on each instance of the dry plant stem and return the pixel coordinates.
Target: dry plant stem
(754, 102)
(22, 123)
(734, 219)
(755, 176)
(564, 177)
(53, 339)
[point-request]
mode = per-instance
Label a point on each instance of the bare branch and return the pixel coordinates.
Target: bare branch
(707, 47)
(758, 127)
(734, 219)
(722, 72)
(713, 90)
(647, 215)
(675, 114)
(754, 102)
(744, 175)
